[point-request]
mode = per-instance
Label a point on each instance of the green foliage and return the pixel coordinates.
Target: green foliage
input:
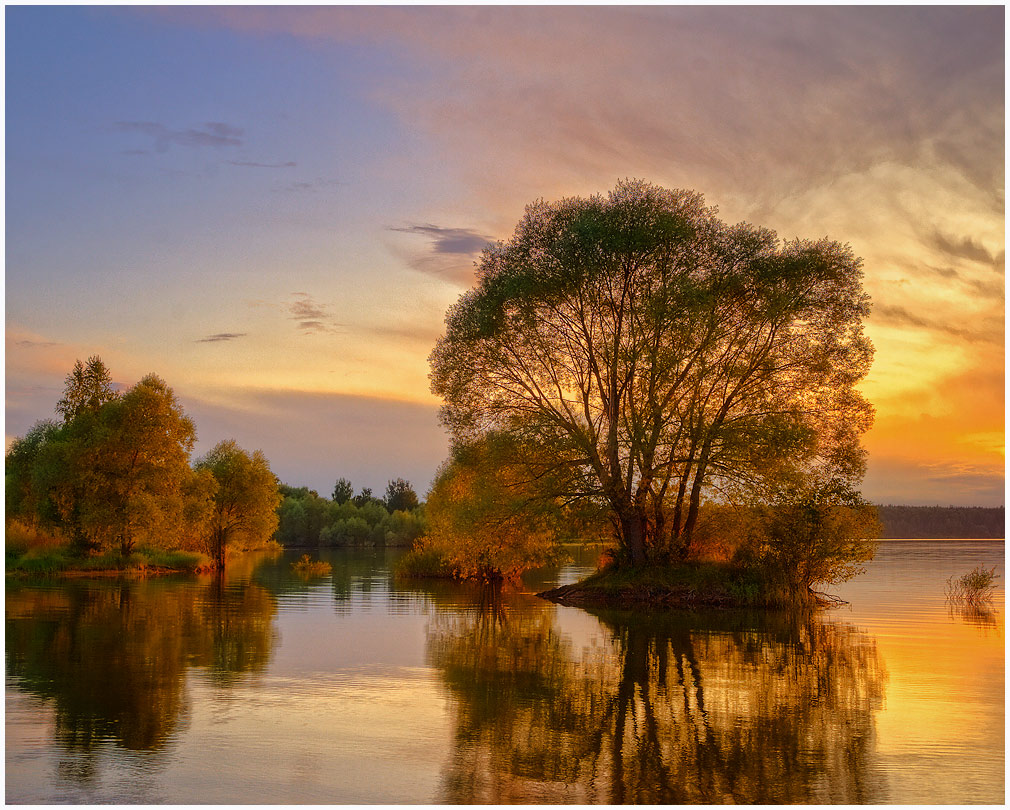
(307, 567)
(343, 491)
(484, 519)
(365, 497)
(87, 388)
(974, 588)
(352, 531)
(654, 356)
(23, 498)
(400, 496)
(307, 519)
(50, 560)
(814, 532)
(424, 563)
(679, 584)
(245, 500)
(115, 475)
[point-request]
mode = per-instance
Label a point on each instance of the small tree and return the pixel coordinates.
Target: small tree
(87, 388)
(817, 531)
(400, 496)
(484, 518)
(246, 500)
(343, 491)
(364, 497)
(24, 500)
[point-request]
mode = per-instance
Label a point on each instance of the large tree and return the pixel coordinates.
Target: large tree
(126, 468)
(661, 355)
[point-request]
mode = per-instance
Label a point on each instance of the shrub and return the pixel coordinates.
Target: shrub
(307, 567)
(422, 563)
(973, 588)
(21, 538)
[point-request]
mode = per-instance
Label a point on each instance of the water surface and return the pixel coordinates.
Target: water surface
(268, 688)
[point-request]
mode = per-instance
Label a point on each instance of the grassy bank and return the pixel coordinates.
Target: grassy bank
(683, 585)
(34, 552)
(63, 562)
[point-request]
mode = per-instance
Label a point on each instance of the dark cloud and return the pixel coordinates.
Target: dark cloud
(450, 255)
(460, 241)
(899, 316)
(965, 248)
(213, 134)
(221, 336)
(311, 316)
(253, 164)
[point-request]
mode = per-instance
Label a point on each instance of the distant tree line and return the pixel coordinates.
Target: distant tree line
(938, 522)
(113, 475)
(307, 519)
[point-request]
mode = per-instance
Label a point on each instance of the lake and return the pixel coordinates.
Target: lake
(347, 689)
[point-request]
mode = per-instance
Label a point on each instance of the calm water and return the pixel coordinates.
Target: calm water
(351, 689)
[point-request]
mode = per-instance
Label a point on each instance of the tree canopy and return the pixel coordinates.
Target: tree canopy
(245, 498)
(115, 475)
(87, 387)
(400, 496)
(659, 356)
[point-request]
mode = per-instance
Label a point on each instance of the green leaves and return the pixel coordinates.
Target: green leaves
(658, 353)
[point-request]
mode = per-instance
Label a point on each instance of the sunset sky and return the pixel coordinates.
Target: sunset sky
(272, 208)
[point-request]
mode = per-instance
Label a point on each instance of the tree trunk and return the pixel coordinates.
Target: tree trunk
(219, 544)
(633, 534)
(126, 544)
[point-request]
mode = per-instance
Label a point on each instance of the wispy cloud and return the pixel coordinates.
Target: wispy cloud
(449, 240)
(900, 316)
(311, 316)
(450, 253)
(290, 164)
(963, 248)
(222, 336)
(424, 334)
(35, 344)
(320, 184)
(212, 134)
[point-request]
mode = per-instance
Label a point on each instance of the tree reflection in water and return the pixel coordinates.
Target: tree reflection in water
(112, 657)
(680, 708)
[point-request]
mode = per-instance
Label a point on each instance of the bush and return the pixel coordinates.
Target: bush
(973, 588)
(307, 567)
(423, 563)
(20, 538)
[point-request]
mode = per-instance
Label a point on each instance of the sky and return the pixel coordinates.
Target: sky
(273, 207)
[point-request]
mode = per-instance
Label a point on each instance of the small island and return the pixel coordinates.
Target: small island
(630, 367)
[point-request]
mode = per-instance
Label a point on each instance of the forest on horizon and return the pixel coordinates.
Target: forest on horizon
(942, 522)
